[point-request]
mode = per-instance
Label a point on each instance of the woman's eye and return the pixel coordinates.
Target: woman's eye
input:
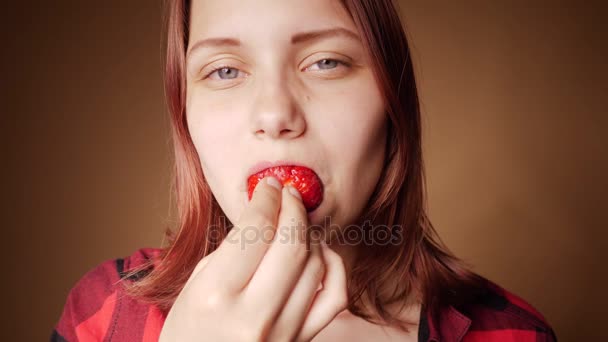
(225, 73)
(327, 64)
(229, 73)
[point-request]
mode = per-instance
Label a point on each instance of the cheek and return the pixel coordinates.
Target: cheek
(213, 132)
(356, 135)
(214, 127)
(209, 132)
(362, 155)
(357, 128)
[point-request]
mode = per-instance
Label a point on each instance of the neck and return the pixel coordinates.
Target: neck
(407, 310)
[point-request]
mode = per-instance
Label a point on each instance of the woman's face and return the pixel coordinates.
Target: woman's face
(294, 83)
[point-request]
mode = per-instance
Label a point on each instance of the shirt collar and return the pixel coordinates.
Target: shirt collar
(449, 326)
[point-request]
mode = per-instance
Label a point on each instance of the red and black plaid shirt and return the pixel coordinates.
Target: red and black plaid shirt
(97, 309)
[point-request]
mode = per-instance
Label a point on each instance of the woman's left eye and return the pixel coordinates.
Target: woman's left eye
(327, 64)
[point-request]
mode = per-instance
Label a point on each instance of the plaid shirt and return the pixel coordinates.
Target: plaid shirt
(97, 309)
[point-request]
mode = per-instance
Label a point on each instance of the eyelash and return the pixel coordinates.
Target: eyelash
(229, 67)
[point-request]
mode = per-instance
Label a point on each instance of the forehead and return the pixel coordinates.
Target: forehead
(276, 20)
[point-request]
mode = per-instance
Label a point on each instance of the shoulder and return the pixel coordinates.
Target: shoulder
(497, 314)
(93, 304)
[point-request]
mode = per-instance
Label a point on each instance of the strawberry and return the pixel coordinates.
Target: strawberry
(302, 178)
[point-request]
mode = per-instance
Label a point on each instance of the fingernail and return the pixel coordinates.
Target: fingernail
(274, 183)
(294, 192)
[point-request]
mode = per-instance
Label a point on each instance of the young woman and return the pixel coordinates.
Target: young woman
(300, 189)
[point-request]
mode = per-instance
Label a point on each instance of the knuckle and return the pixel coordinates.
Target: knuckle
(280, 335)
(318, 266)
(299, 253)
(298, 209)
(341, 302)
(318, 276)
(293, 243)
(267, 192)
(254, 227)
(201, 264)
(214, 300)
(249, 332)
(336, 258)
(301, 208)
(341, 298)
(261, 219)
(294, 203)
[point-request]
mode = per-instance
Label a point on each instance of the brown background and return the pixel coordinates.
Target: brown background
(514, 110)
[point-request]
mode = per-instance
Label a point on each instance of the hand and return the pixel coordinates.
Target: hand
(260, 291)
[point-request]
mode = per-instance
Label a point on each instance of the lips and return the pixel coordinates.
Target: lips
(302, 178)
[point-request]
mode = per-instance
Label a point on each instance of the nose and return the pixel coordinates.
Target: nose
(276, 113)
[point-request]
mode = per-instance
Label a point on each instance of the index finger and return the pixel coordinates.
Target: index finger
(239, 255)
(283, 263)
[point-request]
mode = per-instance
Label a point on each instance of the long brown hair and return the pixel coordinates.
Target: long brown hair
(420, 264)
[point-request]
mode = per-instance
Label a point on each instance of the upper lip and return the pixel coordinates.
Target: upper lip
(264, 164)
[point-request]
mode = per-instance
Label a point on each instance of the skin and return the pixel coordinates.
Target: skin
(284, 101)
(315, 102)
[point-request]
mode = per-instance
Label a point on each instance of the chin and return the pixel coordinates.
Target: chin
(317, 217)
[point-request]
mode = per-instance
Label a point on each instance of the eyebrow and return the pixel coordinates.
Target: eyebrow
(296, 39)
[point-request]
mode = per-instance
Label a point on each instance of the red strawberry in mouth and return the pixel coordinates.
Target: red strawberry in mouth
(302, 178)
